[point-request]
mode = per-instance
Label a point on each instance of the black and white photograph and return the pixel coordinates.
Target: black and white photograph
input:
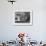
(23, 18)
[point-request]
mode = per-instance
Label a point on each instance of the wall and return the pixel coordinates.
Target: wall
(7, 11)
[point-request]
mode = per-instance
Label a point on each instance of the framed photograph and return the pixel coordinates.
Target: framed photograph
(23, 18)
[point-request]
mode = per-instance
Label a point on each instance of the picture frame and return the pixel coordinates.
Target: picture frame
(23, 18)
